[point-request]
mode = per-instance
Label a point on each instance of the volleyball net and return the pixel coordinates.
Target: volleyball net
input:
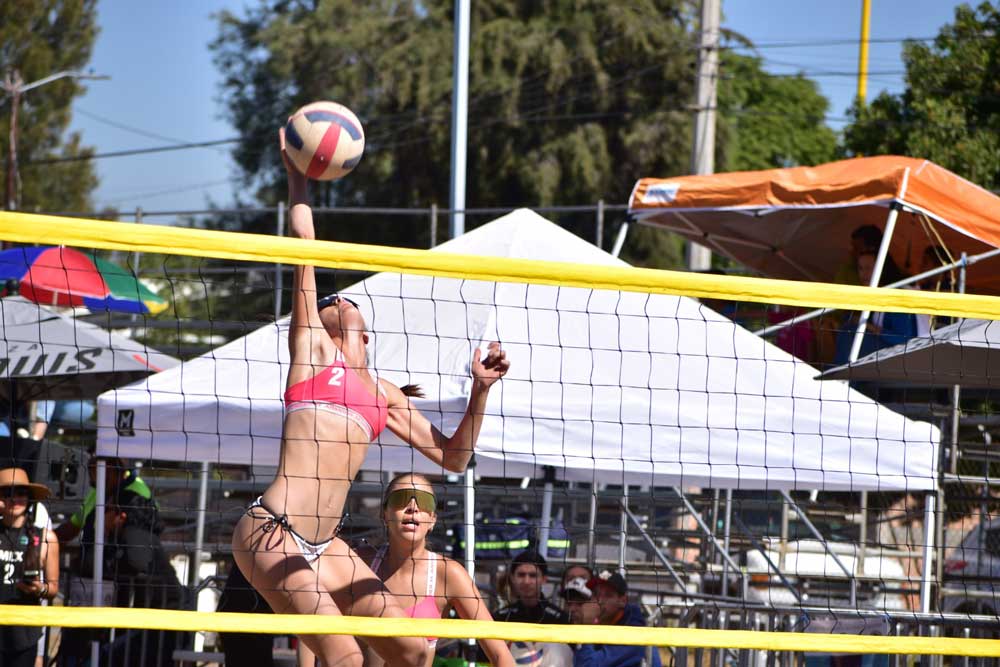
(640, 430)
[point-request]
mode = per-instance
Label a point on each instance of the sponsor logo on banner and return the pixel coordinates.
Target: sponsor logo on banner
(661, 193)
(126, 423)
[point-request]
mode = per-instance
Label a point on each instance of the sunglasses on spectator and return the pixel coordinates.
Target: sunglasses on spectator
(332, 299)
(14, 491)
(400, 498)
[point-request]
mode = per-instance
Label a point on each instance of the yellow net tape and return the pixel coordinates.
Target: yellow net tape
(53, 230)
(189, 621)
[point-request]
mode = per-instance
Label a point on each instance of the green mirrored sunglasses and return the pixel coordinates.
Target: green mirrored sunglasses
(400, 498)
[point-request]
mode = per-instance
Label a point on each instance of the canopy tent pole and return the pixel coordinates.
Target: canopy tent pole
(100, 489)
(926, 579)
(470, 535)
(623, 535)
(592, 527)
(278, 285)
(199, 530)
(620, 239)
(546, 521)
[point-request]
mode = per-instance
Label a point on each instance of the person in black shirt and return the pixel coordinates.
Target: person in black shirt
(26, 553)
(527, 574)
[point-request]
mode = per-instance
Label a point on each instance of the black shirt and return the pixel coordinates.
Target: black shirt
(543, 612)
(13, 545)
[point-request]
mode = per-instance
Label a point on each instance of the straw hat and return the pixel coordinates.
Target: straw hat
(18, 477)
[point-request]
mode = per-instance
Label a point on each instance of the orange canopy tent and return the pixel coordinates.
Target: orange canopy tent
(796, 223)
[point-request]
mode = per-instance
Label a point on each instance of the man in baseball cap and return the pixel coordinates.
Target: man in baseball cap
(607, 604)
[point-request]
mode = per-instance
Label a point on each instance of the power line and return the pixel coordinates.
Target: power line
(135, 151)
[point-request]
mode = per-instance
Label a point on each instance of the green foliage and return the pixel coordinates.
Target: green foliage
(37, 39)
(569, 102)
(769, 121)
(950, 110)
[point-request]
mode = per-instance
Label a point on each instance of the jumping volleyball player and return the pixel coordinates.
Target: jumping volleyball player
(286, 544)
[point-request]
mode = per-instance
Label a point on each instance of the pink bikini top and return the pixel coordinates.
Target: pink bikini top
(425, 607)
(338, 389)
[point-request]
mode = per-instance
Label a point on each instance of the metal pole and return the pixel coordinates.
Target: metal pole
(470, 531)
(546, 521)
(13, 86)
(620, 239)
(279, 231)
(783, 543)
(592, 527)
(623, 535)
(199, 529)
(726, 532)
(859, 566)
(956, 393)
(699, 258)
(434, 225)
(459, 117)
(866, 14)
(883, 251)
(812, 314)
(926, 579)
(599, 235)
(100, 490)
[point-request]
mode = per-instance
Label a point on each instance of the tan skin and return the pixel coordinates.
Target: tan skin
(320, 456)
(404, 571)
(14, 506)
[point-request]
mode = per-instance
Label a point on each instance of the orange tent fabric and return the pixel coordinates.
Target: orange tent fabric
(796, 223)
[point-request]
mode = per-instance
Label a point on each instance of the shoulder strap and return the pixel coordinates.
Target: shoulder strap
(379, 557)
(432, 567)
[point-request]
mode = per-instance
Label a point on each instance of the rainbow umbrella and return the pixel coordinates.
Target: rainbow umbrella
(61, 276)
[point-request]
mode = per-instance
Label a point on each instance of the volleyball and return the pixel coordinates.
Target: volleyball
(324, 140)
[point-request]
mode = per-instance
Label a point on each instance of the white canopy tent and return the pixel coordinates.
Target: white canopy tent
(607, 386)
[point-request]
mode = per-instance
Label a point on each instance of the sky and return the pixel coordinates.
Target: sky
(164, 87)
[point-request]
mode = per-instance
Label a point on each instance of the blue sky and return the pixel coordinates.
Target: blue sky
(164, 87)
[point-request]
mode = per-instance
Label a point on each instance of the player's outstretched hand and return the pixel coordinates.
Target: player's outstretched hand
(493, 367)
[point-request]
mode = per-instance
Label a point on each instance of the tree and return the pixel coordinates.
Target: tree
(769, 120)
(568, 102)
(949, 112)
(38, 39)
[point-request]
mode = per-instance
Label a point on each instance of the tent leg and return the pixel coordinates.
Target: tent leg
(883, 252)
(199, 530)
(100, 488)
(546, 521)
(927, 579)
(726, 532)
(620, 239)
(623, 535)
(470, 536)
(592, 527)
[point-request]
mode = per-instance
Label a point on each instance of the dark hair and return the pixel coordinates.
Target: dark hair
(870, 234)
(529, 558)
(412, 390)
(590, 572)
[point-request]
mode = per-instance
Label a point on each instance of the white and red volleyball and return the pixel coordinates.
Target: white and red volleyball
(324, 140)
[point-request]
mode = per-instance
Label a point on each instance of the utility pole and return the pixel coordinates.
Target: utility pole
(16, 87)
(699, 258)
(459, 117)
(866, 22)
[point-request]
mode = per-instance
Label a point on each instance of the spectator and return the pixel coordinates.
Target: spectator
(607, 604)
(29, 562)
(934, 256)
(527, 574)
(22, 428)
(884, 329)
(864, 239)
(134, 559)
(574, 572)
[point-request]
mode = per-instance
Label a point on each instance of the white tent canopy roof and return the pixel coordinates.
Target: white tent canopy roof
(604, 385)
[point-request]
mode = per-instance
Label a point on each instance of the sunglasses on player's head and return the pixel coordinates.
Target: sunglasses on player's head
(332, 299)
(14, 491)
(400, 498)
